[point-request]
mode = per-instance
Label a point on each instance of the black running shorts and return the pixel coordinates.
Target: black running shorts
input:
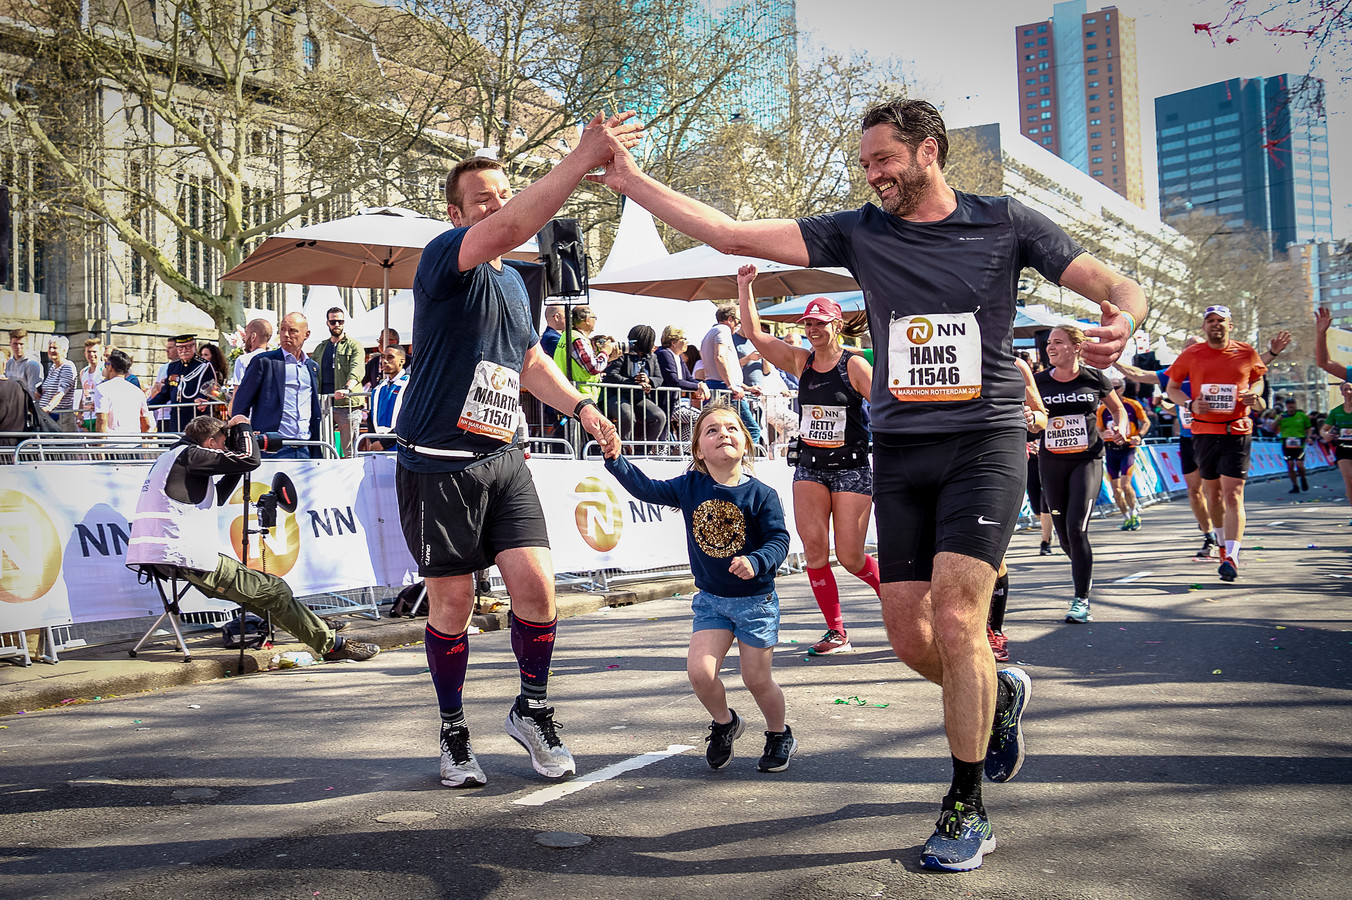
(1185, 454)
(456, 523)
(949, 493)
(1293, 453)
(1222, 454)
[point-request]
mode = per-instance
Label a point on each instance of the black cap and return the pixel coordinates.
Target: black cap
(185, 339)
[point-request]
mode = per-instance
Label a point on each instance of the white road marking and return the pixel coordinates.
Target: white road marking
(1135, 576)
(554, 792)
(1280, 521)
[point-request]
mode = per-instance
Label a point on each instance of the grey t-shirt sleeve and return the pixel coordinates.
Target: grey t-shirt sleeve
(829, 238)
(1043, 244)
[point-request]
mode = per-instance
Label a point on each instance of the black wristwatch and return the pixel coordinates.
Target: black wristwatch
(581, 405)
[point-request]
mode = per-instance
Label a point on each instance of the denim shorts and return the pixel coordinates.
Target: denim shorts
(752, 620)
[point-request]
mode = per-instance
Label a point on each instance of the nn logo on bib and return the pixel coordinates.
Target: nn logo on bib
(921, 330)
(599, 516)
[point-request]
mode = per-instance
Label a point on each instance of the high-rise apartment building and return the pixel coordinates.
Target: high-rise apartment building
(1078, 95)
(1250, 151)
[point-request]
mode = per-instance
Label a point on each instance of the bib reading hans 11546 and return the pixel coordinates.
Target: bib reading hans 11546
(934, 357)
(493, 401)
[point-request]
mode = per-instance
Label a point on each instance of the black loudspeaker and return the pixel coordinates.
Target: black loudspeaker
(1040, 341)
(564, 257)
(6, 232)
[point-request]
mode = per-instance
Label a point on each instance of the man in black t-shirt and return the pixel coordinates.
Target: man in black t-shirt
(939, 270)
(466, 498)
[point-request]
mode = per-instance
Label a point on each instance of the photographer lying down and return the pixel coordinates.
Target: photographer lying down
(175, 525)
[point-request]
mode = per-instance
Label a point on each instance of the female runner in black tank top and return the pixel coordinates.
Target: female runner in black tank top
(833, 482)
(1070, 459)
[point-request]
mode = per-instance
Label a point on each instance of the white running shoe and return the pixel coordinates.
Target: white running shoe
(537, 733)
(459, 767)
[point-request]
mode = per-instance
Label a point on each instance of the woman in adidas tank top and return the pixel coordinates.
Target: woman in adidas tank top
(833, 480)
(1070, 459)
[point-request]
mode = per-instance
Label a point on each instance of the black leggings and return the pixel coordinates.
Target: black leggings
(1070, 485)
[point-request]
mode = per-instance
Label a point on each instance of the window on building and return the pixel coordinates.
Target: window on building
(1032, 93)
(1044, 78)
(1042, 54)
(1095, 121)
(1169, 132)
(1044, 103)
(1091, 46)
(1046, 90)
(1097, 173)
(1096, 147)
(1042, 42)
(1090, 34)
(1093, 96)
(1091, 59)
(1094, 134)
(195, 259)
(1027, 45)
(1042, 29)
(1046, 115)
(309, 48)
(1047, 141)
(1092, 72)
(1093, 109)
(1096, 159)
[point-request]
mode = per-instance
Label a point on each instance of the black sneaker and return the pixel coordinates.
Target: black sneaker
(1304, 483)
(779, 746)
(720, 740)
(1295, 489)
(357, 651)
(1207, 543)
(1045, 549)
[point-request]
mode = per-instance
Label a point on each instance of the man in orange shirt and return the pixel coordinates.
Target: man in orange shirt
(1227, 383)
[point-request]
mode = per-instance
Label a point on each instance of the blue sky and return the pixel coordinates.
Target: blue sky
(973, 74)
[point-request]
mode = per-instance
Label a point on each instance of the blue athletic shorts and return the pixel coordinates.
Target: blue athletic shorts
(752, 620)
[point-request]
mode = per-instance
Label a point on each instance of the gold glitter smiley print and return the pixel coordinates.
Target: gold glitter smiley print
(719, 528)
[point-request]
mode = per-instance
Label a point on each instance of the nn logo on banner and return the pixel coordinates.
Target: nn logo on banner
(599, 516)
(276, 553)
(30, 550)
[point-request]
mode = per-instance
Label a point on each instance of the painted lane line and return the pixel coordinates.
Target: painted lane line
(1135, 576)
(554, 792)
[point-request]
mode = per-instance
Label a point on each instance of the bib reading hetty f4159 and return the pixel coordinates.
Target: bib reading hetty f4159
(823, 426)
(492, 403)
(934, 357)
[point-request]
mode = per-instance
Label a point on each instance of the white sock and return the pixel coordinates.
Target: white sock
(1218, 536)
(1232, 550)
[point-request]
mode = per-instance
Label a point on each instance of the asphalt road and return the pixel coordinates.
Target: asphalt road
(1191, 742)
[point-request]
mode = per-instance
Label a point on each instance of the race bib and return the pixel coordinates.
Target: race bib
(1185, 416)
(1345, 435)
(1067, 434)
(823, 426)
(1219, 398)
(493, 401)
(1294, 443)
(934, 357)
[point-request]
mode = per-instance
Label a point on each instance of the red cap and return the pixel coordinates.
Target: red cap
(824, 309)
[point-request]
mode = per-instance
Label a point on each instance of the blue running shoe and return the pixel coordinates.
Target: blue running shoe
(1078, 613)
(961, 837)
(1004, 754)
(1228, 570)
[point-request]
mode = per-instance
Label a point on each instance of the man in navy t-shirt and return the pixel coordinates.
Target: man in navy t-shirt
(466, 498)
(939, 269)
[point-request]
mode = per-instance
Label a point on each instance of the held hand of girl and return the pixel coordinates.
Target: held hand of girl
(742, 568)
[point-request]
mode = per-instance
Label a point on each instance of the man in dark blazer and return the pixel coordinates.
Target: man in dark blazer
(280, 391)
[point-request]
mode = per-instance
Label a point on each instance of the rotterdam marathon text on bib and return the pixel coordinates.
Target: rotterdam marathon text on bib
(492, 403)
(934, 357)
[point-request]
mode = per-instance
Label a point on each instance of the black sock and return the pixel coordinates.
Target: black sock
(999, 600)
(966, 787)
(453, 718)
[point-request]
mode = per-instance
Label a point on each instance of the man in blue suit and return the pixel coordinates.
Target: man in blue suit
(280, 391)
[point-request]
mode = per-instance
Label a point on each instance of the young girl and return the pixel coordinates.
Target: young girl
(736, 537)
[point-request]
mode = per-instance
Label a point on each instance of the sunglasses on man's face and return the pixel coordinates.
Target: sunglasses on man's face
(336, 321)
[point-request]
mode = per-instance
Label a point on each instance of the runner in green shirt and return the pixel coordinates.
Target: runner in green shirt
(1294, 428)
(1338, 431)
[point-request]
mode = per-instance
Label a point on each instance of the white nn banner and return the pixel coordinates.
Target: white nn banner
(64, 529)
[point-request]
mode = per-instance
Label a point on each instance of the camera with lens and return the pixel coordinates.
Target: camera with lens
(283, 495)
